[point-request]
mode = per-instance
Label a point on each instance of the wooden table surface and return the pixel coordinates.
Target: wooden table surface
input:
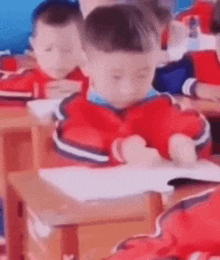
(55, 208)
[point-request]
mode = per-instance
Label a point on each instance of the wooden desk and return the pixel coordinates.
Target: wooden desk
(87, 230)
(17, 128)
(185, 191)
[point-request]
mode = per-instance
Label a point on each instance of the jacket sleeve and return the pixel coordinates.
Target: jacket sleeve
(176, 77)
(76, 138)
(168, 119)
(17, 86)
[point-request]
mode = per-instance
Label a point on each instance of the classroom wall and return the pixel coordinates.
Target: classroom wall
(182, 5)
(15, 24)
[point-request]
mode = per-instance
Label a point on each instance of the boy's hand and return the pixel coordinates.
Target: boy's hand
(133, 150)
(208, 91)
(182, 150)
(62, 88)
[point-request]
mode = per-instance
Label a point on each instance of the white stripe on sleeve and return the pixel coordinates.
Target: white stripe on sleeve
(78, 151)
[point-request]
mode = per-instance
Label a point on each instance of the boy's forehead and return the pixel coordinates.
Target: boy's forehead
(46, 32)
(125, 60)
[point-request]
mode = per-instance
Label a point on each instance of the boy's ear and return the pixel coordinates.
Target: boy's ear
(31, 42)
(85, 57)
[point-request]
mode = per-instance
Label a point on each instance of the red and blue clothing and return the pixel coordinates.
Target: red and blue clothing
(181, 77)
(87, 130)
(188, 230)
(24, 85)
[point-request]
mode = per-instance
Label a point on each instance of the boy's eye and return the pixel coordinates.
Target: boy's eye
(48, 49)
(67, 51)
(116, 77)
(142, 76)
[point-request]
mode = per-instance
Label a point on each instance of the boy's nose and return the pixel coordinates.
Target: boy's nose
(127, 88)
(58, 60)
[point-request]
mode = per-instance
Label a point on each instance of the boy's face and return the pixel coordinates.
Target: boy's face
(122, 78)
(57, 48)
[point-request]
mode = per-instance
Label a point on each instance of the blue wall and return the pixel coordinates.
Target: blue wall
(15, 24)
(181, 5)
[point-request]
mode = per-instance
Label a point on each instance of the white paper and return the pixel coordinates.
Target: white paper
(91, 184)
(44, 108)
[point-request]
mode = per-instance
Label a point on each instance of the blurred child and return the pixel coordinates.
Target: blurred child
(197, 74)
(57, 49)
(163, 14)
(204, 9)
(190, 230)
(122, 120)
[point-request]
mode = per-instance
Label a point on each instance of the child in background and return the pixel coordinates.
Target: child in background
(197, 74)
(204, 9)
(120, 120)
(190, 230)
(57, 49)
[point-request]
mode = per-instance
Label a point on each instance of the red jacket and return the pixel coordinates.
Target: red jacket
(206, 13)
(206, 66)
(190, 228)
(24, 85)
(87, 130)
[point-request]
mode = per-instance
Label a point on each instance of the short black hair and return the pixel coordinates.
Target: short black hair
(216, 22)
(120, 28)
(162, 12)
(57, 12)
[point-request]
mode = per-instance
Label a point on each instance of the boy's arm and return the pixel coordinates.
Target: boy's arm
(176, 78)
(18, 85)
(168, 120)
(207, 91)
(194, 127)
(80, 143)
(76, 138)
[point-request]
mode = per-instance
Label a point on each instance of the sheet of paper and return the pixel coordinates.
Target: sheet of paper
(43, 108)
(91, 184)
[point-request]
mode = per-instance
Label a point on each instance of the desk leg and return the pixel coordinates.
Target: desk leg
(35, 135)
(97, 241)
(2, 166)
(15, 224)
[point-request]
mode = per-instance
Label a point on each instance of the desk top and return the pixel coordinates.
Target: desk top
(16, 117)
(54, 208)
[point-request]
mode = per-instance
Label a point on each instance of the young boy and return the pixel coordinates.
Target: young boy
(121, 115)
(197, 74)
(57, 49)
(189, 230)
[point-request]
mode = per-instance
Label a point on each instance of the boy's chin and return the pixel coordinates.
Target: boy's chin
(57, 76)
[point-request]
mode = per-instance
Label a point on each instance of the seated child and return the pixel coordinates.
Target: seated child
(196, 74)
(189, 230)
(204, 9)
(122, 119)
(57, 49)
